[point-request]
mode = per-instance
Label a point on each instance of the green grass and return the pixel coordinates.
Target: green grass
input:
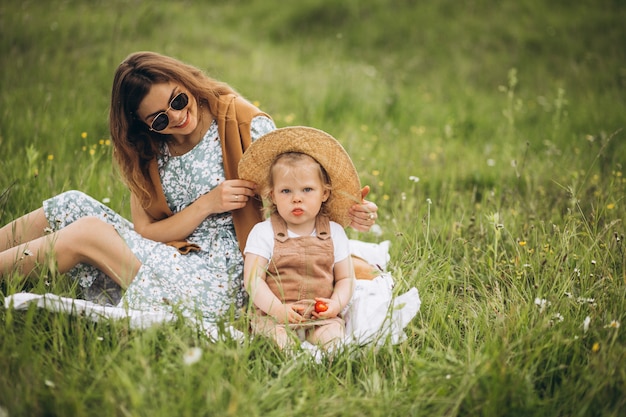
(511, 114)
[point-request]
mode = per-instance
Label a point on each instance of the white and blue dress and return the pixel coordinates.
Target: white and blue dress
(209, 282)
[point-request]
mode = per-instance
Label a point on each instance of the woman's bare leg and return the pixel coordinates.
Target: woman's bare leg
(28, 227)
(87, 240)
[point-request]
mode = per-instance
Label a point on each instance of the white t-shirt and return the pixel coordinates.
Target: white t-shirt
(261, 240)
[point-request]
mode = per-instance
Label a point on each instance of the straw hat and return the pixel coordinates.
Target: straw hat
(327, 151)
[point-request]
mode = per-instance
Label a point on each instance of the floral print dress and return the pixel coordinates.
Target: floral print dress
(204, 284)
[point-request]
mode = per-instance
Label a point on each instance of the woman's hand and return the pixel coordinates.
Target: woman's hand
(228, 196)
(363, 215)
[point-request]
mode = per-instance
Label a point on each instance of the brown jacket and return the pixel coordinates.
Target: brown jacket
(234, 116)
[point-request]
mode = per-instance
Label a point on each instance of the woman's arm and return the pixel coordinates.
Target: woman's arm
(229, 195)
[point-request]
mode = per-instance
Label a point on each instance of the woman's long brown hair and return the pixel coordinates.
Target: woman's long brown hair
(134, 144)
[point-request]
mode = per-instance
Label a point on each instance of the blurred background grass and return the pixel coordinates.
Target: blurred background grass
(490, 132)
(428, 80)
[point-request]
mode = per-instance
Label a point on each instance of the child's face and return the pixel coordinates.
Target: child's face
(298, 193)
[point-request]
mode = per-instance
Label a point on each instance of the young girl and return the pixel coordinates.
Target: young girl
(297, 267)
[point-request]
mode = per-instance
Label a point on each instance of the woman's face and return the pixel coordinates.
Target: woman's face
(165, 110)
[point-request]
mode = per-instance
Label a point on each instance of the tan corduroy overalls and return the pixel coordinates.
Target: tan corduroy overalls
(301, 269)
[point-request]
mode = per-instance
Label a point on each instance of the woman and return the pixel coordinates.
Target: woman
(178, 136)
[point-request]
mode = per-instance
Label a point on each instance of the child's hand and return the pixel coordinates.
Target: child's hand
(288, 313)
(332, 308)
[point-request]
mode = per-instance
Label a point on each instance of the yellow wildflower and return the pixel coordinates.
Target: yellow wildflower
(596, 347)
(418, 130)
(522, 243)
(50, 157)
(83, 135)
(610, 206)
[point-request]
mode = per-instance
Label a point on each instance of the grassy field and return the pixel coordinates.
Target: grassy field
(491, 134)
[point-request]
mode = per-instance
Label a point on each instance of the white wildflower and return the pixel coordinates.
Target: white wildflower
(582, 300)
(542, 303)
(192, 356)
(376, 230)
(586, 324)
(414, 178)
(106, 200)
(613, 324)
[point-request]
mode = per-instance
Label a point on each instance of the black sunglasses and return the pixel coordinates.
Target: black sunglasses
(161, 121)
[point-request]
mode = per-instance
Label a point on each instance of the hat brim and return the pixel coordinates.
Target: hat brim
(345, 185)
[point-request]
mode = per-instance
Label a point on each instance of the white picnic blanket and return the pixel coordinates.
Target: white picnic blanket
(373, 315)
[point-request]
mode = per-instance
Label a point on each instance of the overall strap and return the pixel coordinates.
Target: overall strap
(280, 227)
(322, 227)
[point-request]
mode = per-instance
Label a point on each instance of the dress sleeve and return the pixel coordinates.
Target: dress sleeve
(260, 125)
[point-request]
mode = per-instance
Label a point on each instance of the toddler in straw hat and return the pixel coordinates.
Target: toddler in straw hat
(297, 266)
